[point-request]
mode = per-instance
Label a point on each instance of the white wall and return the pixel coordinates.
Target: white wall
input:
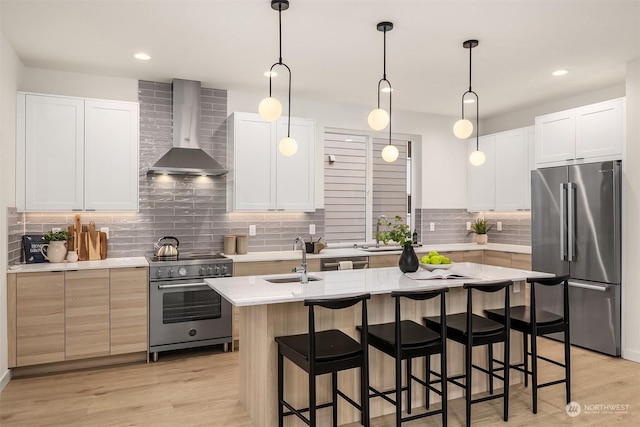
(10, 73)
(77, 84)
(526, 116)
(630, 215)
(442, 156)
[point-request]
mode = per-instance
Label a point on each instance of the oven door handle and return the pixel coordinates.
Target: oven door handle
(187, 285)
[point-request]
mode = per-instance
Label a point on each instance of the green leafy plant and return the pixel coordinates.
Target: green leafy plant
(481, 226)
(397, 231)
(56, 236)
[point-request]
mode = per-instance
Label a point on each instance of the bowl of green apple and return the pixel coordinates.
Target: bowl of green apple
(434, 261)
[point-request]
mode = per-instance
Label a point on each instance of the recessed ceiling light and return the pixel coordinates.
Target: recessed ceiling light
(386, 89)
(142, 56)
(270, 74)
(469, 101)
(560, 73)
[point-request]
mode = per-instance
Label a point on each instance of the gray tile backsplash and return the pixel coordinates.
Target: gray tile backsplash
(191, 208)
(450, 226)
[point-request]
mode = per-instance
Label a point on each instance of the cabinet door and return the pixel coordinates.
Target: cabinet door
(51, 145)
(296, 174)
(512, 170)
(501, 259)
(39, 318)
(599, 129)
(254, 154)
(111, 156)
(86, 313)
(481, 194)
(379, 261)
(129, 289)
(555, 137)
(473, 256)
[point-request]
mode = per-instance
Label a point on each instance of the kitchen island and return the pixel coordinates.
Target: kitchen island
(274, 309)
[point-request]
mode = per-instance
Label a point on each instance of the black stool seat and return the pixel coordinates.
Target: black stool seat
(521, 317)
(330, 345)
(405, 340)
(457, 325)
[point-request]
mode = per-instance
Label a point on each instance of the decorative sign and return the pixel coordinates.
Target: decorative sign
(31, 244)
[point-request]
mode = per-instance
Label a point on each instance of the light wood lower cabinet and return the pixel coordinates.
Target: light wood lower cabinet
(129, 320)
(86, 313)
(508, 259)
(39, 311)
(473, 256)
(379, 261)
(74, 315)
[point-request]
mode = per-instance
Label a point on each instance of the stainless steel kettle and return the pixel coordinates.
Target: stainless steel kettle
(166, 250)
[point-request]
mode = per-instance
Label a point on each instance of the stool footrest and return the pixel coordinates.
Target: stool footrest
(552, 383)
(484, 399)
(348, 399)
(555, 362)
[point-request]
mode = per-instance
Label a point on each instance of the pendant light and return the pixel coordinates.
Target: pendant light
(463, 128)
(378, 118)
(270, 108)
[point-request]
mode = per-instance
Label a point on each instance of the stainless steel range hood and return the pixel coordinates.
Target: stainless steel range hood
(186, 157)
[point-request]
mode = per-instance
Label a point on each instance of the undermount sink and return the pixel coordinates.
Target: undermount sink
(383, 249)
(291, 279)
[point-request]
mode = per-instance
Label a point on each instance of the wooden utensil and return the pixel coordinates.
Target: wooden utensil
(71, 240)
(83, 246)
(103, 245)
(94, 242)
(76, 230)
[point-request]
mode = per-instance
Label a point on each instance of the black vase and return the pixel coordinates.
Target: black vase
(408, 262)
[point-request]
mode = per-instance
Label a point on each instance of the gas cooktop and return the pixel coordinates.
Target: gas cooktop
(188, 256)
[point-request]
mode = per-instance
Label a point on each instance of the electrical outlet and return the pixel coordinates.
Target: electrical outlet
(56, 229)
(468, 225)
(499, 225)
(432, 226)
(312, 229)
(252, 230)
(105, 230)
(516, 287)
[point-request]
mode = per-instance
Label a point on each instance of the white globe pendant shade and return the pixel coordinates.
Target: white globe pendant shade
(378, 119)
(288, 146)
(390, 153)
(270, 109)
(463, 129)
(477, 158)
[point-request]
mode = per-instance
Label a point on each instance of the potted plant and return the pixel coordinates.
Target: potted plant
(55, 250)
(481, 227)
(400, 233)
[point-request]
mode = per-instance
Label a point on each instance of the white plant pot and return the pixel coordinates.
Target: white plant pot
(482, 239)
(54, 251)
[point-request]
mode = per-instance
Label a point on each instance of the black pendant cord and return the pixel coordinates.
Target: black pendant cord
(283, 65)
(384, 76)
(389, 112)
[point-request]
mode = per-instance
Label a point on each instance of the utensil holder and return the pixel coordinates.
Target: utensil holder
(230, 244)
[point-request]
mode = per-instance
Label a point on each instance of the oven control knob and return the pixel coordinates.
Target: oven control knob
(224, 269)
(170, 273)
(192, 332)
(210, 270)
(182, 271)
(216, 269)
(202, 270)
(158, 273)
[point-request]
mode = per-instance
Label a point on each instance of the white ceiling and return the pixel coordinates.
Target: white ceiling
(334, 49)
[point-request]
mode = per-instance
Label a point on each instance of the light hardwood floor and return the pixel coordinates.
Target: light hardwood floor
(201, 389)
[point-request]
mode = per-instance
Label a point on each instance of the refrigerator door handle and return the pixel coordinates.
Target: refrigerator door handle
(571, 220)
(563, 231)
(601, 288)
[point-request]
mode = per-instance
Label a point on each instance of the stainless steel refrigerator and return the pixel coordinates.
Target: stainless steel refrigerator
(575, 216)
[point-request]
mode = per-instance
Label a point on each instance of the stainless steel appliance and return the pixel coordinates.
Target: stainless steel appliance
(576, 231)
(183, 311)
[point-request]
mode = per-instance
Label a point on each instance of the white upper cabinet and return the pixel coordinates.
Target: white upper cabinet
(592, 132)
(111, 156)
(262, 179)
(503, 181)
(76, 154)
(481, 194)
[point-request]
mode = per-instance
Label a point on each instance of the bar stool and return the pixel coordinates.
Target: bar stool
(533, 322)
(472, 330)
(405, 340)
(322, 352)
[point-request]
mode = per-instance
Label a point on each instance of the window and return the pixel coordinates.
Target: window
(359, 186)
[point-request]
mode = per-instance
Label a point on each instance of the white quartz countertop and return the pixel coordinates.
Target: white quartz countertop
(255, 290)
(330, 252)
(80, 265)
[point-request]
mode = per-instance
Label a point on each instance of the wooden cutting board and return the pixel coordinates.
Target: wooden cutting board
(83, 245)
(71, 240)
(94, 242)
(103, 245)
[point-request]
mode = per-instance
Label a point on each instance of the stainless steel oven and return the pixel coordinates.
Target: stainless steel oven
(183, 311)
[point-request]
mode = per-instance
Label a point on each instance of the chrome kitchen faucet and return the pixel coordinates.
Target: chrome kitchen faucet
(303, 268)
